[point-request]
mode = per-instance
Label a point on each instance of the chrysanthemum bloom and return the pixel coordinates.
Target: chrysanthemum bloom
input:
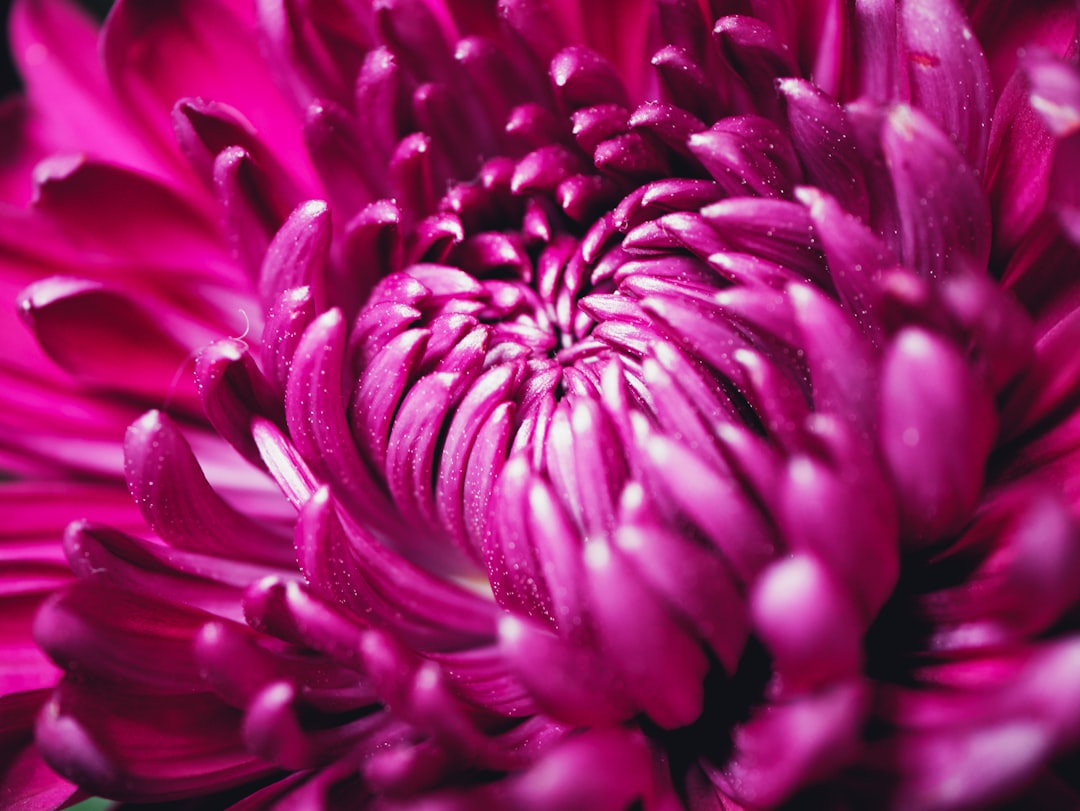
(656, 404)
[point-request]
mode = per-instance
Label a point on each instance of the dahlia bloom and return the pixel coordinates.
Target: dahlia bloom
(518, 405)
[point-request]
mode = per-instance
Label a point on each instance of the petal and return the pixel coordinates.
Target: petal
(604, 769)
(1049, 381)
(315, 410)
(233, 392)
(809, 623)
(253, 213)
(819, 734)
(121, 636)
(570, 683)
(109, 340)
(843, 514)
(55, 44)
(943, 209)
(695, 583)
(948, 74)
(168, 484)
(1018, 165)
(842, 366)
(142, 747)
(378, 584)
(748, 156)
(155, 53)
(823, 139)
(186, 578)
(938, 425)
(121, 217)
(298, 254)
(714, 500)
(28, 784)
(315, 51)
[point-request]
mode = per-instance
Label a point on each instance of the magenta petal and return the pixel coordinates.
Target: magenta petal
(542, 577)
(314, 52)
(938, 425)
(1000, 329)
(238, 663)
(843, 514)
(1018, 165)
(855, 255)
(604, 769)
(28, 784)
(663, 665)
(411, 463)
(132, 564)
(671, 125)
(695, 583)
(157, 53)
(818, 734)
(121, 636)
(133, 218)
(714, 501)
(286, 321)
(282, 728)
(382, 385)
(314, 408)
(1048, 381)
(233, 391)
(841, 363)
(415, 35)
(949, 76)
(687, 85)
(747, 154)
(875, 41)
(55, 44)
(356, 569)
(809, 623)
(532, 21)
(753, 59)
(108, 339)
(353, 174)
(285, 609)
(297, 255)
(382, 85)
(1034, 552)
(773, 230)
(372, 241)
(412, 176)
(253, 213)
(825, 144)
(477, 408)
(137, 747)
(943, 209)
(26, 667)
(584, 466)
(284, 462)
(582, 78)
(204, 129)
(167, 482)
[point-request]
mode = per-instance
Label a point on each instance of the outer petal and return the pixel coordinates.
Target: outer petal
(55, 44)
(139, 747)
(158, 52)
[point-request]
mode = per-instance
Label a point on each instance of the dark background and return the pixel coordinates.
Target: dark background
(9, 80)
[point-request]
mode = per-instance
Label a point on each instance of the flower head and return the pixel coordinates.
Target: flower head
(559, 405)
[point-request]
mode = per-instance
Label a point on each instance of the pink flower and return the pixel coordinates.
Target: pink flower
(587, 405)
